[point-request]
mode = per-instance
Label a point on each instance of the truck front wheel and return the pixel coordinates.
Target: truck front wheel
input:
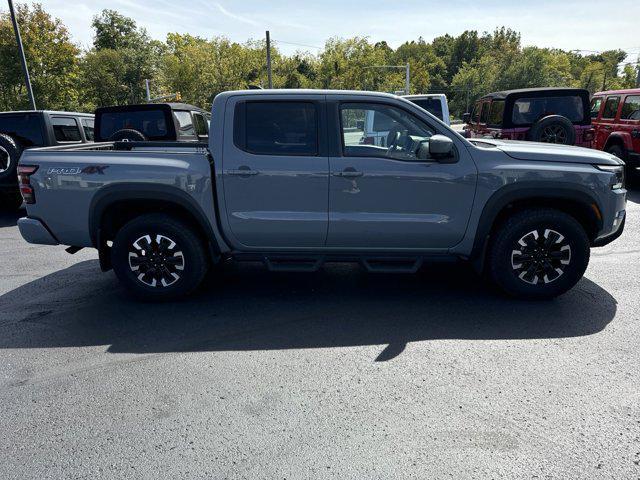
(538, 253)
(157, 257)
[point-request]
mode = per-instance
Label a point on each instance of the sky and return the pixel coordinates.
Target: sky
(566, 24)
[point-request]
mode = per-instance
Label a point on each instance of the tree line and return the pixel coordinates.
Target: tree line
(123, 55)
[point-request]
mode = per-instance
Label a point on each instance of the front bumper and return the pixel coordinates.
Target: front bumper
(34, 231)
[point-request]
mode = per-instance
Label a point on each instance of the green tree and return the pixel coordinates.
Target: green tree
(51, 56)
(123, 56)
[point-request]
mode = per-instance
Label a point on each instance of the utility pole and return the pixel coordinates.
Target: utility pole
(146, 84)
(407, 84)
(25, 70)
(269, 81)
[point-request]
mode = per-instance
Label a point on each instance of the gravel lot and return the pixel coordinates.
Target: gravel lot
(338, 374)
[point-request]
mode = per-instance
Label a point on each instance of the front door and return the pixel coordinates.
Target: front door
(387, 198)
(275, 173)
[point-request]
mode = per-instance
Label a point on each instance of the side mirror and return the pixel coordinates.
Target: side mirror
(466, 117)
(441, 148)
(360, 125)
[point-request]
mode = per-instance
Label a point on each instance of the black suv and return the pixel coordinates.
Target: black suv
(165, 122)
(20, 130)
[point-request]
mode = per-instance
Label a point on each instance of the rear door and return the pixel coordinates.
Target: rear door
(275, 171)
(607, 120)
(630, 120)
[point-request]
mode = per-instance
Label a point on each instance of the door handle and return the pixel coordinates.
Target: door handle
(243, 171)
(348, 173)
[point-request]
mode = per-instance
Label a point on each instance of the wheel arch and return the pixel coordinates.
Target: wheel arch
(113, 206)
(619, 138)
(509, 200)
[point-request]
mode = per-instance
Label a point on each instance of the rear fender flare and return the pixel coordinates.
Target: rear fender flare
(111, 194)
(621, 137)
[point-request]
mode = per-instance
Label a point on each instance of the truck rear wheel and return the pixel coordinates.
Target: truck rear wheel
(538, 253)
(157, 257)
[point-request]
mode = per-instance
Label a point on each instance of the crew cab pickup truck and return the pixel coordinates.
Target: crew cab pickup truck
(285, 180)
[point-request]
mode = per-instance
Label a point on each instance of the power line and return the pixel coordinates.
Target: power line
(297, 44)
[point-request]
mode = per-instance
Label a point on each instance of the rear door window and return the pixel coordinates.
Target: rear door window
(596, 103)
(475, 115)
(631, 108)
(611, 107)
(484, 114)
(496, 113)
(201, 125)
(277, 128)
(26, 128)
(65, 129)
(87, 126)
(185, 123)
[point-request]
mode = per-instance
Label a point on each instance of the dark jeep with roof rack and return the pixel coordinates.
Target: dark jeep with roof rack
(550, 115)
(163, 122)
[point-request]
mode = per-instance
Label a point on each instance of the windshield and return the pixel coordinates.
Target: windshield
(151, 123)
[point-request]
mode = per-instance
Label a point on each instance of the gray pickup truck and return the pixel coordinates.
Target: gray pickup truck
(288, 179)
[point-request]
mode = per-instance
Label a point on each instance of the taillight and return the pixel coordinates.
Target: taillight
(368, 141)
(24, 180)
(589, 134)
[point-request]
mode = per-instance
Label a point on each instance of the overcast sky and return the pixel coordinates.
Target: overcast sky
(567, 24)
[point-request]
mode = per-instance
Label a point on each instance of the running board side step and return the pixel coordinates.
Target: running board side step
(391, 264)
(292, 264)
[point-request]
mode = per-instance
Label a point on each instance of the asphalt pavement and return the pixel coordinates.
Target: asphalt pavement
(337, 374)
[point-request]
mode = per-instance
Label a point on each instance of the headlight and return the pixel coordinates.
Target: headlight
(618, 170)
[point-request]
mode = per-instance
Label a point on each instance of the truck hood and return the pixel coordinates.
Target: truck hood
(548, 152)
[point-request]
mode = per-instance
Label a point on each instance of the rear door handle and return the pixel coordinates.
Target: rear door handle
(348, 173)
(243, 171)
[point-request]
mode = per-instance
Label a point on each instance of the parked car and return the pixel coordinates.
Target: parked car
(434, 103)
(551, 115)
(616, 117)
(283, 182)
(163, 122)
(20, 130)
(377, 126)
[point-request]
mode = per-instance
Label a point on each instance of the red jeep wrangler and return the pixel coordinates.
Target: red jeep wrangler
(616, 118)
(552, 115)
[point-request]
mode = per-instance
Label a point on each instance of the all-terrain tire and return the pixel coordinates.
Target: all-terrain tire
(158, 257)
(538, 265)
(553, 129)
(128, 135)
(10, 152)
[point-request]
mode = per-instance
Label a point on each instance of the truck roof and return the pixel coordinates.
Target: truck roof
(55, 112)
(307, 91)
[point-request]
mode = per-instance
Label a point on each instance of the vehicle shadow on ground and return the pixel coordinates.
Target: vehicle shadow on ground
(10, 219)
(246, 307)
(633, 194)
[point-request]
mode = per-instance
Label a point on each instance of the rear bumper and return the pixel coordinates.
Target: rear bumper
(34, 231)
